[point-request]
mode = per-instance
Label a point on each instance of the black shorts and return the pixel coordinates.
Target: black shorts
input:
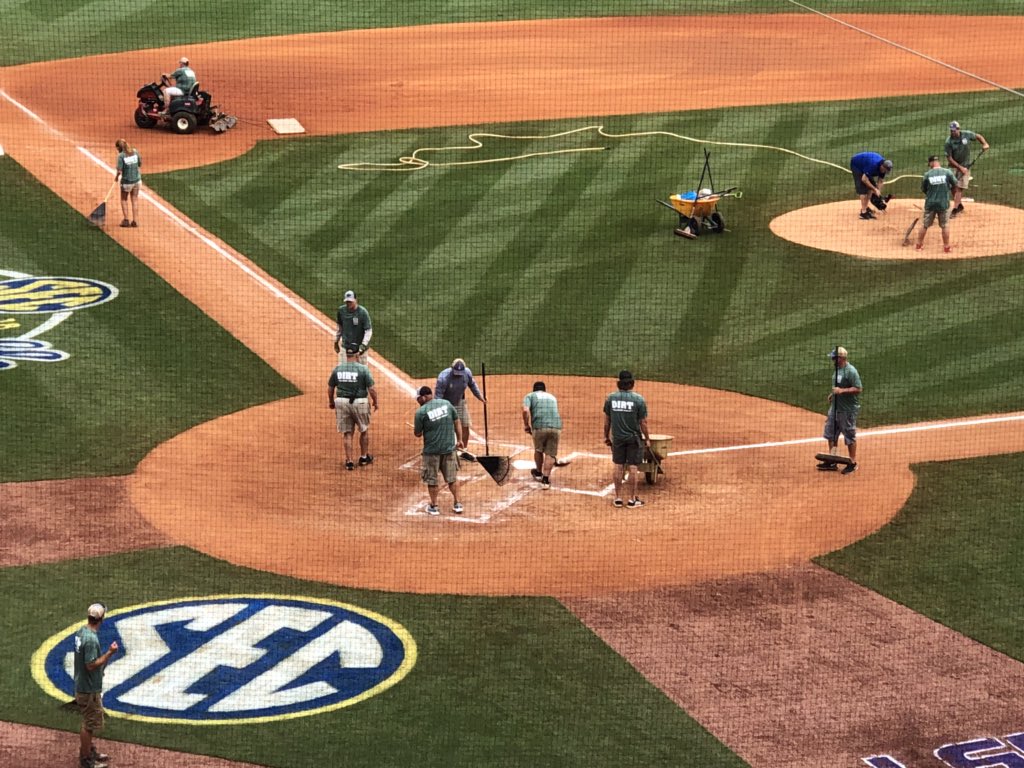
(860, 186)
(630, 453)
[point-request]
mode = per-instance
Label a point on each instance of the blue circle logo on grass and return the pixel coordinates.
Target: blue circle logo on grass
(235, 659)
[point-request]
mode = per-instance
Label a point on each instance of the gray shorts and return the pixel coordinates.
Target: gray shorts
(630, 453)
(929, 218)
(844, 424)
(434, 464)
(127, 189)
(352, 415)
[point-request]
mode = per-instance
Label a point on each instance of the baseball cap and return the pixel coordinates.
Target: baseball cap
(933, 158)
(625, 375)
(841, 352)
(183, 60)
(954, 126)
(424, 390)
(887, 164)
(353, 348)
(350, 295)
(458, 366)
(97, 611)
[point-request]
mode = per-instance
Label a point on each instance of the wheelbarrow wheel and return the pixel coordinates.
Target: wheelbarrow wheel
(695, 226)
(652, 476)
(717, 223)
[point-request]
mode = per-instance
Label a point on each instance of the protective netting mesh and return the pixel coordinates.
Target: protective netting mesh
(449, 383)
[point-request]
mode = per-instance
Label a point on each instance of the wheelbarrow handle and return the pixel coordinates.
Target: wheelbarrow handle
(667, 205)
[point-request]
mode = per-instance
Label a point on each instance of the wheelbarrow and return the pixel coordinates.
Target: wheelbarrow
(698, 210)
(654, 454)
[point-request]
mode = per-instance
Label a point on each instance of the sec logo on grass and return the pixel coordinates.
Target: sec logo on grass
(232, 659)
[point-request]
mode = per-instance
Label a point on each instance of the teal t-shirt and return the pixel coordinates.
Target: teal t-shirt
(350, 380)
(543, 409)
(959, 148)
(184, 78)
(625, 409)
(129, 166)
(353, 324)
(87, 650)
(937, 183)
(847, 376)
(435, 420)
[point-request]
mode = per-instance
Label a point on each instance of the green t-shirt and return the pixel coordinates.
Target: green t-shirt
(353, 324)
(435, 420)
(959, 148)
(625, 409)
(936, 185)
(129, 166)
(847, 376)
(543, 409)
(350, 380)
(87, 650)
(184, 78)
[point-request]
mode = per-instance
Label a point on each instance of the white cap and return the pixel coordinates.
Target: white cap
(183, 60)
(841, 352)
(350, 295)
(97, 611)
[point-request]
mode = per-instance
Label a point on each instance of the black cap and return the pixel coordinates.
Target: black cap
(424, 390)
(353, 348)
(625, 375)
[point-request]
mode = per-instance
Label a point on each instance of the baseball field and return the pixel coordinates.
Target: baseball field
(485, 176)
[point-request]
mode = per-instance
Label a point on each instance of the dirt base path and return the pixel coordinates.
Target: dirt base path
(983, 230)
(805, 669)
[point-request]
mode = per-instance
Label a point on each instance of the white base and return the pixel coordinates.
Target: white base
(286, 125)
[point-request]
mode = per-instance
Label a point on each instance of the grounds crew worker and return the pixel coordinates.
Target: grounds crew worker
(184, 76)
(625, 430)
(354, 327)
(936, 184)
(958, 155)
(844, 405)
(350, 392)
(542, 421)
(89, 664)
(869, 170)
(437, 422)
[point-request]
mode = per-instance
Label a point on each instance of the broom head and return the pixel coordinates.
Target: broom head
(498, 467)
(99, 216)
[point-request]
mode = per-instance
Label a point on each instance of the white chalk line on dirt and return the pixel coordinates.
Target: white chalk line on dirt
(902, 47)
(246, 266)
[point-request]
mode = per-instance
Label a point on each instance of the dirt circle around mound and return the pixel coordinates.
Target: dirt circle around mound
(982, 230)
(266, 488)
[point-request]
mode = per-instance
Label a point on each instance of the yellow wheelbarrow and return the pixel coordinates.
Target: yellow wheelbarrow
(699, 210)
(654, 454)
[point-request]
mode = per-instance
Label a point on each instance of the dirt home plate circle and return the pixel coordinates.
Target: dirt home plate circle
(265, 488)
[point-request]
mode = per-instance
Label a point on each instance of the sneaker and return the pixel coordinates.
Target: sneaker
(849, 468)
(349, 466)
(96, 755)
(433, 510)
(617, 503)
(634, 502)
(867, 214)
(364, 460)
(135, 223)
(957, 211)
(545, 483)
(89, 762)
(826, 465)
(125, 223)
(919, 247)
(536, 474)
(458, 509)
(947, 248)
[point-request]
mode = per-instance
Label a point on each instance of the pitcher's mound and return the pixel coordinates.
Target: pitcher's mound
(982, 230)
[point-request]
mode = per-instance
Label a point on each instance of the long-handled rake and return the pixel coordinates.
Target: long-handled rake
(99, 215)
(498, 467)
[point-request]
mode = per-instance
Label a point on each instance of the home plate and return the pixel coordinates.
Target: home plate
(286, 125)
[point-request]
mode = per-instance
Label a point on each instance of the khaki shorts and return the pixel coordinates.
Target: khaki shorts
(352, 415)
(929, 218)
(463, 410)
(546, 441)
(90, 706)
(129, 188)
(447, 465)
(964, 180)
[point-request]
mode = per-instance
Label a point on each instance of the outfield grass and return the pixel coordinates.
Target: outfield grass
(566, 265)
(953, 552)
(498, 682)
(52, 29)
(143, 367)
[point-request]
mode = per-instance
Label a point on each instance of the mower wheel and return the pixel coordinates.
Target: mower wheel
(143, 120)
(717, 223)
(183, 122)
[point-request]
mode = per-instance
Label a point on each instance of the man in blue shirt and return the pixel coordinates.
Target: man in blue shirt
(869, 170)
(451, 386)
